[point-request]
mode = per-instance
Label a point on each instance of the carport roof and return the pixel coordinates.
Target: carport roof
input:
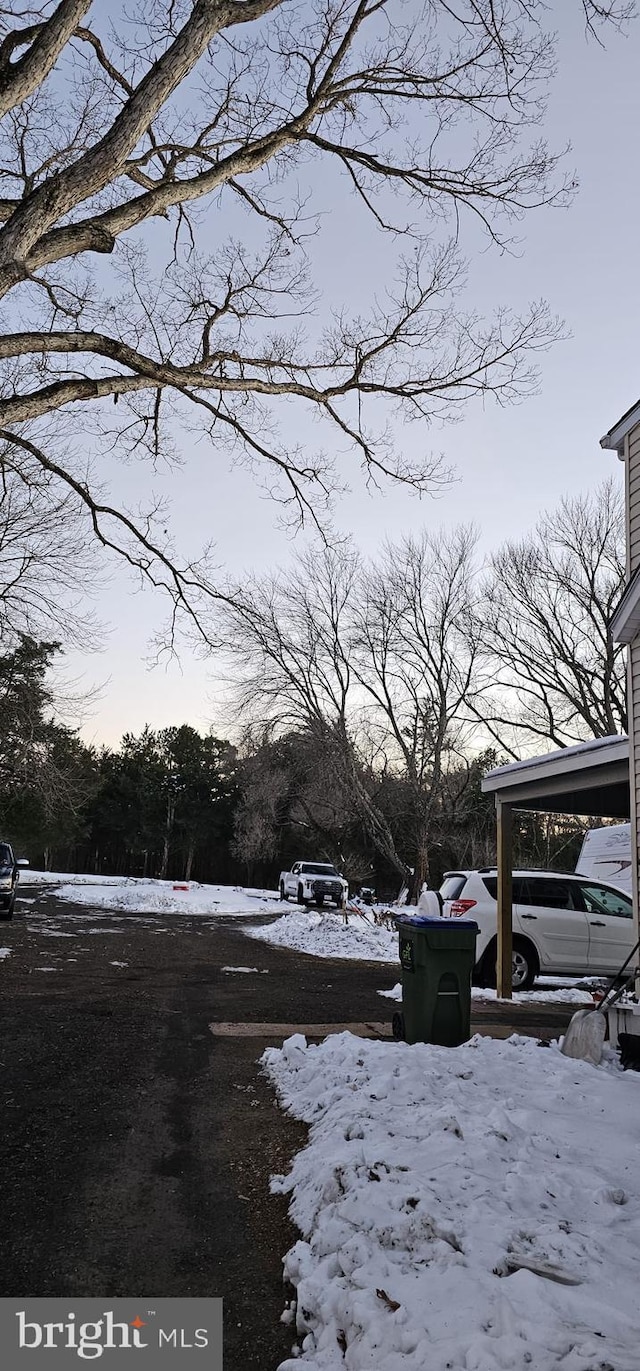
(590, 778)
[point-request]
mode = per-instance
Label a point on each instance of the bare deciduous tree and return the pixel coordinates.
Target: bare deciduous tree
(545, 623)
(288, 640)
(403, 668)
(157, 192)
(291, 801)
(415, 658)
(265, 785)
(377, 665)
(46, 564)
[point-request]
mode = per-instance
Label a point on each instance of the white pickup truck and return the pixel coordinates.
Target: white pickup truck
(313, 883)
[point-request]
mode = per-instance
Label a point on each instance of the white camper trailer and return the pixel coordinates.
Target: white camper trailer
(606, 856)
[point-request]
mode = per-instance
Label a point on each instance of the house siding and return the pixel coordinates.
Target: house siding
(632, 467)
(633, 499)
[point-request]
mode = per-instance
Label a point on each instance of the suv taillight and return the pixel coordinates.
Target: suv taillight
(458, 908)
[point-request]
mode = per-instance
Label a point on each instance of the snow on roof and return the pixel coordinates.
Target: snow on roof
(617, 745)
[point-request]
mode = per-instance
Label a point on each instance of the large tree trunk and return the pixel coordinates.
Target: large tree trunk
(189, 863)
(171, 809)
(420, 872)
(164, 865)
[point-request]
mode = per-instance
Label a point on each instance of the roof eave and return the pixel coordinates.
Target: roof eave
(614, 439)
(564, 762)
(625, 621)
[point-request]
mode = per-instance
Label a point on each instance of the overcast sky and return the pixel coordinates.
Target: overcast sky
(511, 463)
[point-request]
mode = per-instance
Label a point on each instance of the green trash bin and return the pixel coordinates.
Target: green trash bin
(437, 957)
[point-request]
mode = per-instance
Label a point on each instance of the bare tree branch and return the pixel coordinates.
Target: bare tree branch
(44, 43)
(545, 617)
(201, 126)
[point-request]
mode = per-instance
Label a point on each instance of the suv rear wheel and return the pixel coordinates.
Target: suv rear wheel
(525, 964)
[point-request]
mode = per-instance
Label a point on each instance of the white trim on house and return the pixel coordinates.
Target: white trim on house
(614, 439)
(624, 438)
(625, 620)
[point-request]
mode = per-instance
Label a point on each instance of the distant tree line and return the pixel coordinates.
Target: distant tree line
(162, 804)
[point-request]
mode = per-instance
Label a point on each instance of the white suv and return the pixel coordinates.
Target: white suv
(562, 925)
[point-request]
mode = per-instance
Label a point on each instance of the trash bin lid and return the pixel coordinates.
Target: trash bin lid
(425, 921)
(416, 919)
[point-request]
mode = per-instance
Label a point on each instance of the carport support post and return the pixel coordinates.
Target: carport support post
(504, 815)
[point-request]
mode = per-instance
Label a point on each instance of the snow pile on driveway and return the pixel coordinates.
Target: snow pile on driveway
(140, 895)
(468, 1209)
(327, 935)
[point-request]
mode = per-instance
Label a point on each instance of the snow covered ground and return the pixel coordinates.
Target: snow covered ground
(467, 1209)
(327, 935)
(28, 876)
(138, 895)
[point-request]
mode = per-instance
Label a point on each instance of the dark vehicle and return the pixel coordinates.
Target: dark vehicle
(9, 876)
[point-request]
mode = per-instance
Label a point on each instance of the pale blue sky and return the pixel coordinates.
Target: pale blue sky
(511, 463)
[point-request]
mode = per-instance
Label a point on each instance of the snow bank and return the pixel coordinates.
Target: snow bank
(146, 896)
(30, 877)
(539, 995)
(327, 935)
(474, 1209)
(544, 994)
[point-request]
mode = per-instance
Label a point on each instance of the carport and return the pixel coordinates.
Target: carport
(589, 779)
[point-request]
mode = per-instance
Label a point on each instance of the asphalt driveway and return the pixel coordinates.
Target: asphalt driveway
(137, 1144)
